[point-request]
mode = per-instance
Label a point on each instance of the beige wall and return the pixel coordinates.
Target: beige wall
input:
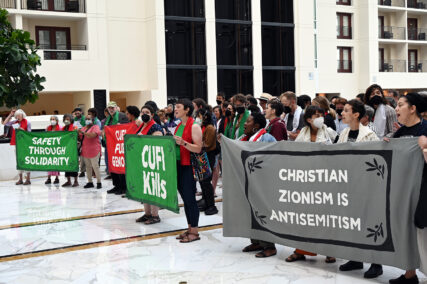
(63, 102)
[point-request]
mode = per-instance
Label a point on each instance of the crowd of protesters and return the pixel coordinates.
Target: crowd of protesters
(197, 126)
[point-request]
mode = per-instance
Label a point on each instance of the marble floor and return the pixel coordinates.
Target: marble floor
(50, 234)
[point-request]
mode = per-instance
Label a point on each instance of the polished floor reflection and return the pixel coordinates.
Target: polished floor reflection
(50, 234)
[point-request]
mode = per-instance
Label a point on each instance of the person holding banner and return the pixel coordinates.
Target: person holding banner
(315, 131)
(20, 123)
(353, 112)
(91, 149)
(69, 126)
(188, 137)
(408, 110)
(116, 117)
(54, 126)
(132, 113)
(149, 127)
(255, 132)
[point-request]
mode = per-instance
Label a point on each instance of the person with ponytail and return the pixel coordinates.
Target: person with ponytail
(53, 126)
(149, 127)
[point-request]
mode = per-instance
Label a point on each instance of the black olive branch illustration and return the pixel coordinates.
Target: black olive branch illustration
(129, 146)
(376, 167)
(254, 165)
(377, 232)
(261, 218)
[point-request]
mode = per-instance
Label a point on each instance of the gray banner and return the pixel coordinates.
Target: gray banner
(354, 201)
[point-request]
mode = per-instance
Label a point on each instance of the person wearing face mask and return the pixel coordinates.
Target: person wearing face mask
(353, 112)
(20, 123)
(220, 98)
(91, 150)
(339, 107)
(329, 113)
(116, 117)
(69, 126)
(149, 127)
(385, 116)
(241, 115)
(276, 127)
(314, 131)
(255, 132)
(408, 110)
(53, 126)
(293, 114)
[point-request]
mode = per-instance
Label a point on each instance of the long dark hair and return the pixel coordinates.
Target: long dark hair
(206, 116)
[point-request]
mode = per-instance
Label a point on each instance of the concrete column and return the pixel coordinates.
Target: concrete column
(211, 51)
(257, 47)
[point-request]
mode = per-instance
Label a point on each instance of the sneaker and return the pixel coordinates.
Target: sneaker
(113, 190)
(88, 185)
(82, 174)
(56, 181)
(120, 191)
(108, 177)
(351, 265)
(98, 185)
(403, 280)
(374, 271)
(48, 181)
(201, 204)
(211, 211)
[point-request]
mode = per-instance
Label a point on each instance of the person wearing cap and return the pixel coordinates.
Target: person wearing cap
(408, 111)
(263, 100)
(116, 117)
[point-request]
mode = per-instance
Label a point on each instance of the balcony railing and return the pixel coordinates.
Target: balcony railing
(418, 66)
(417, 34)
(344, 32)
(59, 52)
(392, 3)
(72, 6)
(345, 66)
(417, 4)
(8, 4)
(392, 65)
(387, 32)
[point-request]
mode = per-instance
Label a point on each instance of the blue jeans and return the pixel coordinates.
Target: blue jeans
(187, 190)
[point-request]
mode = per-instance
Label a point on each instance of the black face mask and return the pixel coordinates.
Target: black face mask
(240, 109)
(145, 118)
(375, 100)
(228, 113)
(332, 106)
(339, 111)
(287, 109)
(219, 102)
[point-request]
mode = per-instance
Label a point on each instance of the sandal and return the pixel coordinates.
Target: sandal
(56, 181)
(66, 184)
(183, 235)
(252, 247)
(152, 220)
(19, 182)
(76, 184)
(188, 239)
(27, 182)
(143, 218)
(295, 257)
(330, 259)
(48, 181)
(266, 253)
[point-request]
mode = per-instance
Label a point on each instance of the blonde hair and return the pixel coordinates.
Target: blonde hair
(289, 95)
(324, 104)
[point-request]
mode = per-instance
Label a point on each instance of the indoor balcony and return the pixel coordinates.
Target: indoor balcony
(8, 4)
(387, 32)
(417, 34)
(417, 4)
(392, 65)
(72, 6)
(392, 3)
(59, 52)
(417, 66)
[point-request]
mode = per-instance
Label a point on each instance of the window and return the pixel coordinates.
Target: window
(233, 9)
(185, 49)
(344, 60)
(233, 81)
(77, 6)
(54, 38)
(344, 26)
(344, 2)
(234, 44)
(278, 59)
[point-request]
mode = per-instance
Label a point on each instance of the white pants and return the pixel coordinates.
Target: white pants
(422, 248)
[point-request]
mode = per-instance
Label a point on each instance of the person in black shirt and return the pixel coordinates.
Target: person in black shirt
(408, 110)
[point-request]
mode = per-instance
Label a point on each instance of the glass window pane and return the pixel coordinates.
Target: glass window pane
(59, 5)
(61, 40)
(185, 8)
(279, 11)
(45, 5)
(234, 44)
(185, 43)
(44, 39)
(233, 9)
(277, 46)
(186, 83)
(345, 54)
(276, 82)
(232, 82)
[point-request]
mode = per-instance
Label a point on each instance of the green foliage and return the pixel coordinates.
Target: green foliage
(19, 82)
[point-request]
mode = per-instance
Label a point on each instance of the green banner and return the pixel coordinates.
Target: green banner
(47, 151)
(151, 170)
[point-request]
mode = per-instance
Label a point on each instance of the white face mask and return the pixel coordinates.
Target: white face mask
(88, 121)
(318, 122)
(198, 121)
(67, 122)
(53, 122)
